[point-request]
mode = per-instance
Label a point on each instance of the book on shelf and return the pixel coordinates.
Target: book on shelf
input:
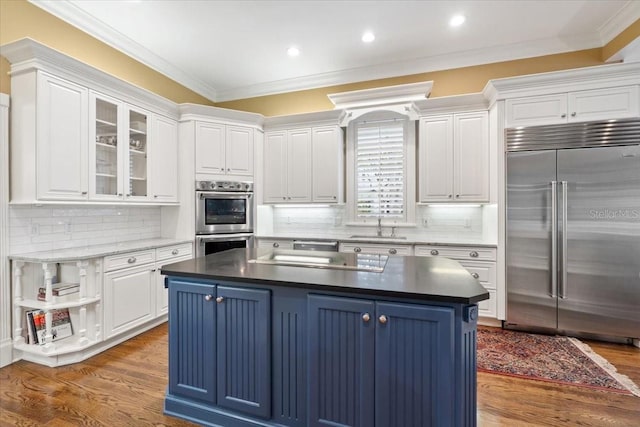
(37, 328)
(59, 290)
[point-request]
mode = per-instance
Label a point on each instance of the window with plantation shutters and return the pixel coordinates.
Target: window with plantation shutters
(380, 170)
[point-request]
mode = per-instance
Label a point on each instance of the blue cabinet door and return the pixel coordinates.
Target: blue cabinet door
(192, 340)
(414, 372)
(341, 361)
(244, 350)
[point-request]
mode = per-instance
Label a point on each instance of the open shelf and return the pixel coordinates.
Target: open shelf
(46, 305)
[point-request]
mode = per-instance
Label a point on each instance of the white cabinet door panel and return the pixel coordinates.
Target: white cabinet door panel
(210, 156)
(62, 140)
(129, 299)
(164, 160)
(275, 173)
(471, 161)
(239, 151)
(536, 110)
(327, 165)
(299, 166)
(436, 159)
(612, 103)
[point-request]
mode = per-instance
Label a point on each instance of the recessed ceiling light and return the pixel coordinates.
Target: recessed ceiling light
(368, 37)
(457, 20)
(293, 51)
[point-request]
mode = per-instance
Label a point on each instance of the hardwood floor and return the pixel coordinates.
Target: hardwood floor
(125, 386)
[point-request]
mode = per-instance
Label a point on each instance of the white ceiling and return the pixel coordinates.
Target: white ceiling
(237, 49)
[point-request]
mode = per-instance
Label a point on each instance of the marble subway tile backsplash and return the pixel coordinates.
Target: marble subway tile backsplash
(44, 228)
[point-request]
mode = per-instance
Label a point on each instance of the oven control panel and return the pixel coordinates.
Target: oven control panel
(231, 186)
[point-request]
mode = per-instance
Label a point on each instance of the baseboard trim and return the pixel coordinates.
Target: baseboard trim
(6, 352)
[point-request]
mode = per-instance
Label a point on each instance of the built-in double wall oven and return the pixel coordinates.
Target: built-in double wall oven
(224, 216)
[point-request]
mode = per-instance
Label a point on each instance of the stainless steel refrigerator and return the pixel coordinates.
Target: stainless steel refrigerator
(573, 228)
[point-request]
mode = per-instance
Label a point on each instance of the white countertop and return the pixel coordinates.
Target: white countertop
(97, 251)
(448, 240)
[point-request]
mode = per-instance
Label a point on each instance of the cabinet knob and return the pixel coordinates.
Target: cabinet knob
(219, 300)
(457, 195)
(284, 198)
(228, 169)
(450, 195)
(475, 275)
(473, 254)
(221, 169)
(393, 251)
(84, 193)
(155, 196)
(119, 194)
(357, 249)
(434, 252)
(128, 195)
(208, 297)
(174, 252)
(573, 114)
(366, 317)
(383, 319)
(563, 115)
(131, 260)
(289, 198)
(276, 244)
(334, 197)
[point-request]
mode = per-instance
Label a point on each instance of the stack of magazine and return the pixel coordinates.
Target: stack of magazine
(36, 325)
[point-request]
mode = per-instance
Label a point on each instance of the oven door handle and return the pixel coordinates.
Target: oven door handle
(204, 195)
(224, 237)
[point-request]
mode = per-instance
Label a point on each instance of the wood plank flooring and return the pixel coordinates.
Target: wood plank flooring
(125, 386)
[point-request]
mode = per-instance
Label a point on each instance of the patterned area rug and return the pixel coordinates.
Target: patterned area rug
(548, 358)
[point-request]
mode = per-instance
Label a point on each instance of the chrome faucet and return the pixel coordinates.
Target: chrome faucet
(379, 227)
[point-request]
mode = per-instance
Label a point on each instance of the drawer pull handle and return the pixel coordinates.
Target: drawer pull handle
(473, 254)
(357, 249)
(219, 300)
(366, 317)
(383, 319)
(434, 252)
(393, 251)
(131, 260)
(276, 245)
(475, 275)
(174, 252)
(208, 297)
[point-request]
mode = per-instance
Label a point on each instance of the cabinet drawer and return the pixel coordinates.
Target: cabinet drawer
(129, 259)
(378, 249)
(458, 252)
(175, 251)
(488, 307)
(486, 272)
(275, 243)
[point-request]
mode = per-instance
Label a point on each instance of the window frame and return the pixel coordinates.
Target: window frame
(409, 166)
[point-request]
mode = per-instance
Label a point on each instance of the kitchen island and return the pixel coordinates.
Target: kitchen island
(277, 338)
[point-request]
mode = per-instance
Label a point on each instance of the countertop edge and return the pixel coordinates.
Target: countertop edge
(98, 251)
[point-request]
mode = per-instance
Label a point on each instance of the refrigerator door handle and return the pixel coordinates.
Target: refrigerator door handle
(554, 238)
(563, 283)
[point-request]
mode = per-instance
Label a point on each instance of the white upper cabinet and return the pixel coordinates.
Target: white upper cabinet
(327, 165)
(580, 106)
(61, 148)
(454, 158)
(163, 179)
(287, 166)
(223, 150)
(80, 135)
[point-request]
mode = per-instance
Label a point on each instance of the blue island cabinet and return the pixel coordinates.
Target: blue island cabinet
(247, 354)
(380, 364)
(220, 346)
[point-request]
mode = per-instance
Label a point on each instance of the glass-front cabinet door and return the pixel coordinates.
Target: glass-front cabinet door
(136, 182)
(105, 155)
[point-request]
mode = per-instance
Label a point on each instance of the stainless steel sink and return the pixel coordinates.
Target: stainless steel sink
(373, 237)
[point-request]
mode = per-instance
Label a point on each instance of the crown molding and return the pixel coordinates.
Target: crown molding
(619, 22)
(77, 17)
(27, 55)
(608, 75)
(381, 95)
(451, 104)
(320, 118)
(216, 114)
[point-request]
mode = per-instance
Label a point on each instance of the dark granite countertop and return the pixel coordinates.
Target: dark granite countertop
(420, 278)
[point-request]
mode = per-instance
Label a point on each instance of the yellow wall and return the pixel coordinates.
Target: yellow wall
(445, 83)
(20, 19)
